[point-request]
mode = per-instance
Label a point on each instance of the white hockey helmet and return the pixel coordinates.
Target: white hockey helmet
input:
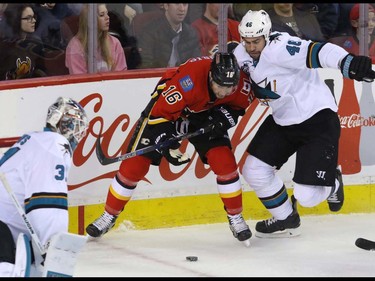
(254, 24)
(68, 118)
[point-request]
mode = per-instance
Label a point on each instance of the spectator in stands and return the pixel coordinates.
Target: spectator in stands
(128, 42)
(327, 15)
(21, 54)
(207, 28)
(287, 18)
(110, 54)
(50, 16)
(351, 43)
(343, 28)
(168, 41)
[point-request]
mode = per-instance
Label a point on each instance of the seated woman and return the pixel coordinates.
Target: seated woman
(110, 55)
(22, 52)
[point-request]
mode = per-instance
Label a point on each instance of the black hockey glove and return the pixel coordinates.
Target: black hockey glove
(358, 68)
(222, 119)
(172, 152)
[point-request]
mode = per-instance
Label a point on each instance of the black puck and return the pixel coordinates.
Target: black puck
(365, 244)
(191, 258)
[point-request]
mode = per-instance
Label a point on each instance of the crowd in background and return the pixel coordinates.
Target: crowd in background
(48, 39)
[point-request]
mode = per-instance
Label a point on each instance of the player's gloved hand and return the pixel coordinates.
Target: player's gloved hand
(176, 157)
(172, 152)
(358, 68)
(182, 126)
(221, 120)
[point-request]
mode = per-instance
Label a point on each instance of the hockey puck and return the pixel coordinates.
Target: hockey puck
(365, 244)
(191, 258)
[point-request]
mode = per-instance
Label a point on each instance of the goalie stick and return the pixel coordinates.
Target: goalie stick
(22, 213)
(365, 244)
(107, 160)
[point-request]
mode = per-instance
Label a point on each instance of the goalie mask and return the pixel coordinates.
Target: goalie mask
(68, 118)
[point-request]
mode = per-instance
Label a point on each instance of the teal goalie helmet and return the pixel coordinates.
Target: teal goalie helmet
(68, 118)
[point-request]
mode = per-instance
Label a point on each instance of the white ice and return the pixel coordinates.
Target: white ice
(324, 249)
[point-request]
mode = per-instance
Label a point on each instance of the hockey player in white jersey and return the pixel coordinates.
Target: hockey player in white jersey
(36, 168)
(304, 120)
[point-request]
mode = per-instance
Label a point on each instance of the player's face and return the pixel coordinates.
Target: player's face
(222, 91)
(254, 46)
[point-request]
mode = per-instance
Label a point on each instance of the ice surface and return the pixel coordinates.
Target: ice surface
(325, 248)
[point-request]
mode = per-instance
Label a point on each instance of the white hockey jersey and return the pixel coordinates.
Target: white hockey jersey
(36, 168)
(287, 76)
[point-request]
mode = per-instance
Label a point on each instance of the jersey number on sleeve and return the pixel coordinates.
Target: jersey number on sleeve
(292, 47)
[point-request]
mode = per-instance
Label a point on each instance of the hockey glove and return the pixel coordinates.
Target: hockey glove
(358, 68)
(221, 120)
(172, 152)
(176, 157)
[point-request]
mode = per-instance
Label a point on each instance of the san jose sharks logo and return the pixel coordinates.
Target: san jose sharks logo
(264, 95)
(67, 149)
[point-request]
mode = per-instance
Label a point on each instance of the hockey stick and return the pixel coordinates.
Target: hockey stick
(365, 244)
(20, 210)
(144, 116)
(107, 160)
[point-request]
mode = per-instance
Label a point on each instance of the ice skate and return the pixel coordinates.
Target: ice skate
(336, 199)
(101, 225)
(239, 228)
(273, 228)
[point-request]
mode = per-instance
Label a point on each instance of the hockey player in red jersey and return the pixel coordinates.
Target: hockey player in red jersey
(201, 92)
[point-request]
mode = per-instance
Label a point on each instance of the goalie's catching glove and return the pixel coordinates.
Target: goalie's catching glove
(358, 68)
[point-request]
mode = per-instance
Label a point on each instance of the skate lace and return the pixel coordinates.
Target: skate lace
(105, 221)
(238, 223)
(270, 221)
(333, 198)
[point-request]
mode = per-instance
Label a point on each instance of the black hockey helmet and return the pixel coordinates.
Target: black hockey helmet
(225, 70)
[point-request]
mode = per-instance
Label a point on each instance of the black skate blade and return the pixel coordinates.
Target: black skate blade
(365, 244)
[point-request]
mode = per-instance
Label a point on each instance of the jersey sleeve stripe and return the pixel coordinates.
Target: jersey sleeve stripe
(312, 59)
(47, 200)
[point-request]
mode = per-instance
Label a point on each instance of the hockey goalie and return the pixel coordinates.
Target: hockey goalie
(34, 238)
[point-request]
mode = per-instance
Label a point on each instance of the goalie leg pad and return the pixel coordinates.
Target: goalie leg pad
(23, 256)
(62, 254)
